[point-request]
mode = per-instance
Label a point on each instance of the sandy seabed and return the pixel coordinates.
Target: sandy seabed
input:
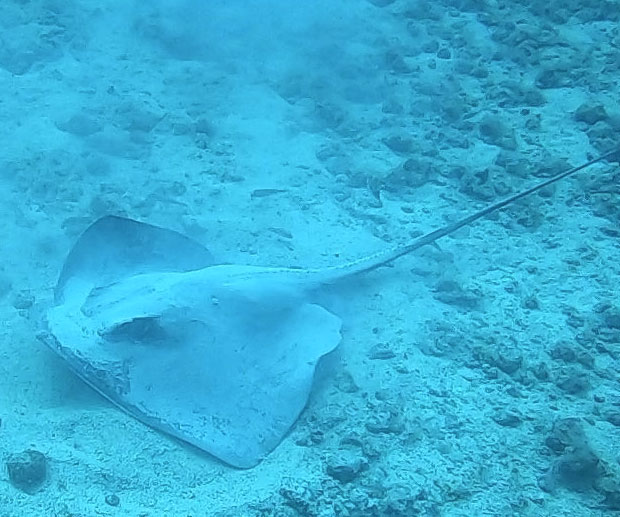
(475, 378)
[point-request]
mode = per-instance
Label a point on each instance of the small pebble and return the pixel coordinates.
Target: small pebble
(381, 351)
(23, 300)
(346, 466)
(27, 470)
(112, 500)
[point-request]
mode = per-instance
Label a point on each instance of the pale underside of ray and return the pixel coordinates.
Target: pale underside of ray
(221, 356)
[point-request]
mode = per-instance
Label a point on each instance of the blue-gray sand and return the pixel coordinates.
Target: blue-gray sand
(249, 225)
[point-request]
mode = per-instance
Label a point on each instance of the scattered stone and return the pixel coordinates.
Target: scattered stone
(381, 351)
(541, 372)
(612, 500)
(508, 361)
(135, 116)
(396, 63)
(346, 383)
(412, 173)
(204, 127)
(385, 422)
(112, 500)
(452, 293)
(80, 125)
(430, 47)
(610, 231)
(299, 495)
(531, 302)
(27, 470)
(578, 470)
(553, 78)
(578, 467)
(23, 300)
(602, 136)
(494, 131)
(611, 318)
(566, 432)
(399, 144)
(591, 113)
(346, 466)
(566, 353)
(403, 501)
(533, 97)
(444, 53)
(573, 382)
(507, 419)
(613, 417)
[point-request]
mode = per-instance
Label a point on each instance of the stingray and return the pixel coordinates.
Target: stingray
(222, 356)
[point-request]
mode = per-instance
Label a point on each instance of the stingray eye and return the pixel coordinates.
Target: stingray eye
(215, 300)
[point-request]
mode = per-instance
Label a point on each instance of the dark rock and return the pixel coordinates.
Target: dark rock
(80, 125)
(553, 78)
(494, 131)
(23, 300)
(137, 117)
(611, 317)
(300, 496)
(613, 417)
(385, 422)
(112, 500)
(579, 470)
(381, 351)
(541, 371)
(573, 382)
(430, 47)
(412, 173)
(566, 432)
(513, 94)
(402, 501)
(507, 419)
(452, 293)
(443, 53)
(534, 98)
(27, 470)
(602, 136)
(530, 302)
(566, 353)
(346, 466)
(508, 361)
(205, 127)
(610, 231)
(396, 63)
(399, 144)
(611, 501)
(591, 113)
(346, 383)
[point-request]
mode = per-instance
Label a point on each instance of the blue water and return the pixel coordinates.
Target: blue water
(477, 377)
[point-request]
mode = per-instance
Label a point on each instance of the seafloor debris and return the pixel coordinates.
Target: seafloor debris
(27, 470)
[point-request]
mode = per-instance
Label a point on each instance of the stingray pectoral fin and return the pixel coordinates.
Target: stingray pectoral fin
(230, 376)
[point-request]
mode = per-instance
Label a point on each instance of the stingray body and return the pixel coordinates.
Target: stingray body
(222, 356)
